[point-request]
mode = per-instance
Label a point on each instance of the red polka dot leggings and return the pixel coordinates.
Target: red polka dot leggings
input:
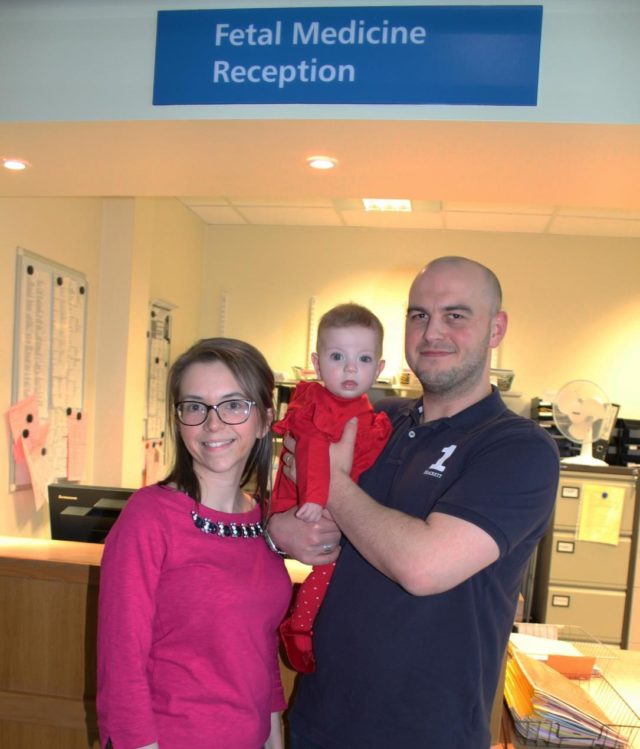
(297, 629)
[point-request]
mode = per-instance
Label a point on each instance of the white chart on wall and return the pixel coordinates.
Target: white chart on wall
(49, 347)
(158, 352)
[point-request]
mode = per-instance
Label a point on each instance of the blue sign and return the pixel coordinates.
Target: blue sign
(486, 55)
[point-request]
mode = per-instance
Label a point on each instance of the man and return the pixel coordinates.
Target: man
(410, 638)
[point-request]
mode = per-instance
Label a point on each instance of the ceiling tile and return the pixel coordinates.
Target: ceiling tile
(594, 227)
(212, 214)
(306, 202)
(389, 220)
(501, 222)
(599, 213)
(191, 201)
(290, 216)
(498, 208)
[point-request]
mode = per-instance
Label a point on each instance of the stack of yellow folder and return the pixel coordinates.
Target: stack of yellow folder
(547, 706)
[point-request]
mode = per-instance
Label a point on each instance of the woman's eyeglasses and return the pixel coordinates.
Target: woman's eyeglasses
(233, 411)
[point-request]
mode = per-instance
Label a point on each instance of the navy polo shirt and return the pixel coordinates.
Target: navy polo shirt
(404, 671)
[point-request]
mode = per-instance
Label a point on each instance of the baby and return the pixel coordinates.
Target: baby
(348, 362)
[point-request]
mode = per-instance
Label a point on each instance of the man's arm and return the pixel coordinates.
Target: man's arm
(424, 557)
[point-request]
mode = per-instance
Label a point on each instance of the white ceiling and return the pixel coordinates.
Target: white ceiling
(481, 176)
(442, 215)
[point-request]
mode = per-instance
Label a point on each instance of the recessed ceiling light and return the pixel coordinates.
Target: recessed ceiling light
(387, 204)
(322, 162)
(16, 165)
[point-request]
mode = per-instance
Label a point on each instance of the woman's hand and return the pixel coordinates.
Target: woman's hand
(275, 740)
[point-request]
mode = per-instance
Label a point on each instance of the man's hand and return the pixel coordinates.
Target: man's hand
(341, 453)
(288, 457)
(309, 543)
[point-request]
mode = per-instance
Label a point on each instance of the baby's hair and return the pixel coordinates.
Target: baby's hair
(351, 315)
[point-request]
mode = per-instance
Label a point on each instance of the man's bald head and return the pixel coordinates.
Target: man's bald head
(493, 288)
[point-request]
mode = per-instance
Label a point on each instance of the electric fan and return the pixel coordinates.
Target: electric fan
(582, 412)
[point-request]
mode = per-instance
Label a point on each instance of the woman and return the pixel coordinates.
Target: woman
(190, 595)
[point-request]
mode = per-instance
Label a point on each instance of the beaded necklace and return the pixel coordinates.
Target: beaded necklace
(232, 530)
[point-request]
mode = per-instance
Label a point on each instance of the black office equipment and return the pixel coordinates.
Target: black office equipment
(84, 513)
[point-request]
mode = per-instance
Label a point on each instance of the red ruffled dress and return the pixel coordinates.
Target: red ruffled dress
(316, 418)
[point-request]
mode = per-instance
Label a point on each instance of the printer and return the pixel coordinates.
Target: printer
(84, 513)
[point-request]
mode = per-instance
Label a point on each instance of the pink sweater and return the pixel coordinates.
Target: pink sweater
(187, 636)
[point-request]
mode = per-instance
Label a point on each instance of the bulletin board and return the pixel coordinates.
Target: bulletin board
(48, 372)
(158, 352)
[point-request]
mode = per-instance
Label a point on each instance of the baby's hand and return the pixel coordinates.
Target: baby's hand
(310, 512)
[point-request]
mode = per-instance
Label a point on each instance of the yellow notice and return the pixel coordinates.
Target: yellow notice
(601, 513)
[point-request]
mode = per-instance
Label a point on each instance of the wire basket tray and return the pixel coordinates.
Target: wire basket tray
(620, 733)
(622, 728)
(603, 656)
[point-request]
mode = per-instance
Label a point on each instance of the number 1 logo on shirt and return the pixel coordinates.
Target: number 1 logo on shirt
(447, 452)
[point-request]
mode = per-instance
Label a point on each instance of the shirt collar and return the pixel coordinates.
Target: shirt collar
(467, 420)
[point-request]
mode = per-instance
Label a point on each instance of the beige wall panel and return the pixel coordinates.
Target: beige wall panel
(66, 231)
(159, 246)
(573, 302)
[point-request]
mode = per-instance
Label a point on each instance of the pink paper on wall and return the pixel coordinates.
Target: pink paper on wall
(24, 422)
(39, 463)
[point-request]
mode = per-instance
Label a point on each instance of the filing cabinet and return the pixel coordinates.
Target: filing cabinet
(589, 583)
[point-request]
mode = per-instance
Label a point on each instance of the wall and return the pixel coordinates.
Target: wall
(67, 232)
(177, 268)
(589, 51)
(129, 250)
(574, 302)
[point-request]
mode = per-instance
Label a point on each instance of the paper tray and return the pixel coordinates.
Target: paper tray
(581, 640)
(620, 733)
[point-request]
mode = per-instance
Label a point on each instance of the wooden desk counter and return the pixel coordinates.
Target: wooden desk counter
(77, 558)
(48, 624)
(48, 619)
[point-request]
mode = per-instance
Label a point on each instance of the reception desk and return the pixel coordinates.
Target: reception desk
(48, 623)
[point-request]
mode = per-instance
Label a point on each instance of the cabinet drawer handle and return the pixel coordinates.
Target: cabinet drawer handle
(565, 547)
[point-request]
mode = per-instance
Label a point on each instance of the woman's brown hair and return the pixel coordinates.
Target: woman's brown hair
(255, 377)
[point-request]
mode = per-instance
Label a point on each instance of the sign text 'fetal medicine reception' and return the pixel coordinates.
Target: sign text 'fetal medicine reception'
(465, 55)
